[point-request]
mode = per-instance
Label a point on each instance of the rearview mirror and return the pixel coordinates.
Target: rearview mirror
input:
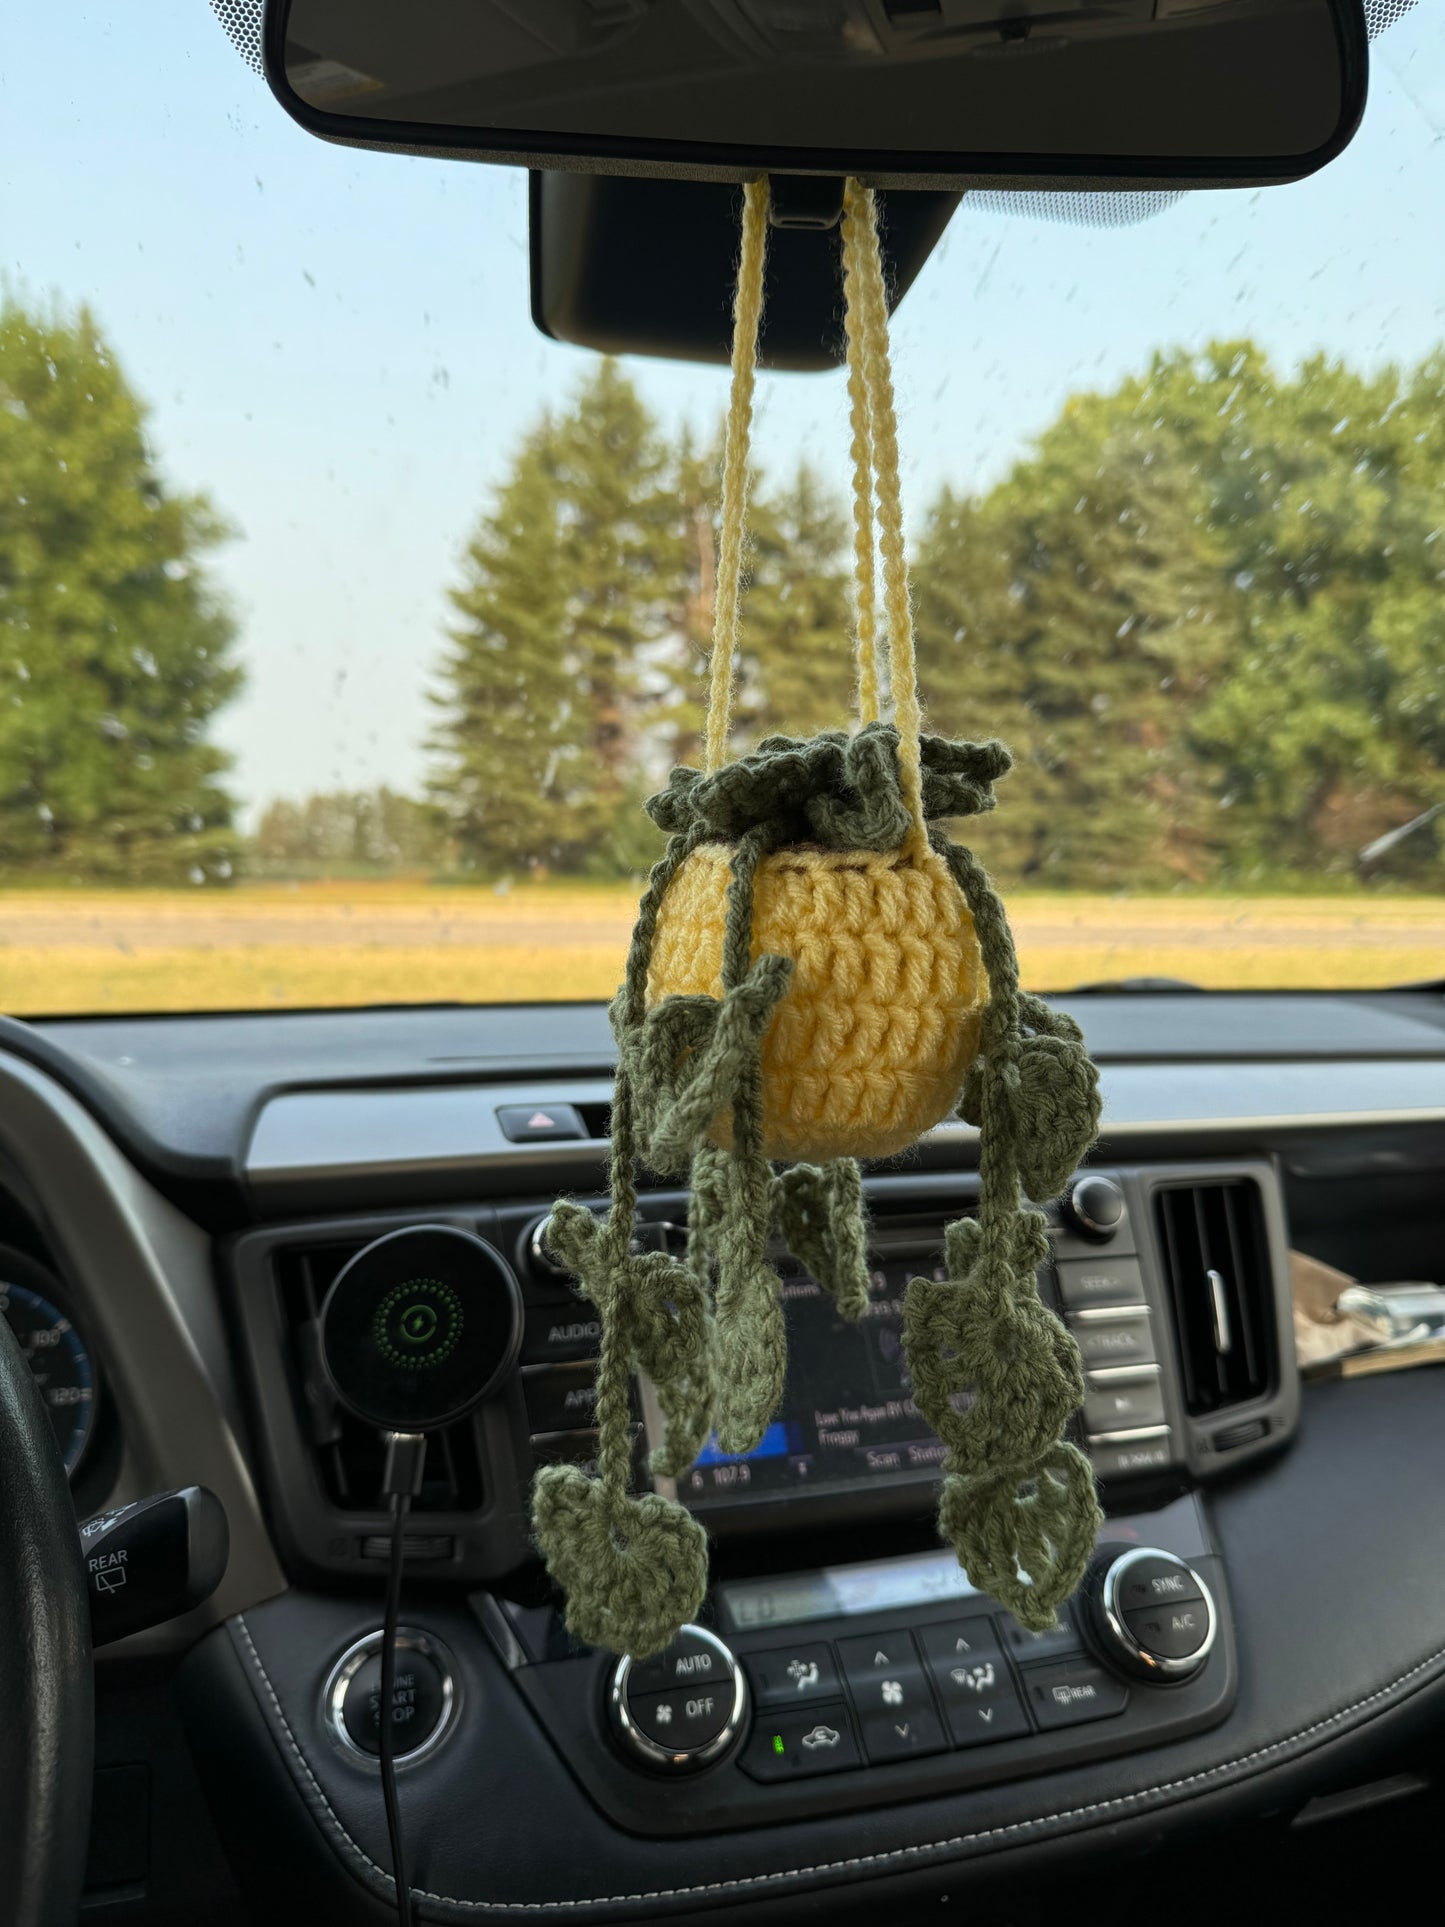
(905, 93)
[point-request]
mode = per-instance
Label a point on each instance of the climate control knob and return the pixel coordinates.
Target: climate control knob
(1094, 1206)
(1151, 1615)
(681, 1709)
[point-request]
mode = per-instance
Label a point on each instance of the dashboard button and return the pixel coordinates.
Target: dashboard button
(556, 1334)
(417, 1697)
(689, 1661)
(1072, 1692)
(1176, 1631)
(899, 1735)
(424, 1696)
(873, 1658)
(998, 1716)
(1123, 1400)
(974, 1682)
(1094, 1205)
(793, 1675)
(1026, 1645)
(1113, 1338)
(563, 1400)
(899, 1691)
(694, 1717)
(1154, 1579)
(958, 1642)
(1088, 1282)
(1150, 1613)
(539, 1123)
(1150, 1451)
(684, 1718)
(796, 1745)
(578, 1448)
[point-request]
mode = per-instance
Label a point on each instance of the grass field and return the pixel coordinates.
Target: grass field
(275, 945)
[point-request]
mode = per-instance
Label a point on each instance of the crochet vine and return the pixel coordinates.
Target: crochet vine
(819, 973)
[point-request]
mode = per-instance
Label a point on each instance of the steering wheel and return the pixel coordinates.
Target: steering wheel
(46, 1685)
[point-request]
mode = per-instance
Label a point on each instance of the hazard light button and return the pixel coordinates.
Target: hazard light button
(539, 1123)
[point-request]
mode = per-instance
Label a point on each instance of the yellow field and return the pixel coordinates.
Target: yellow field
(272, 946)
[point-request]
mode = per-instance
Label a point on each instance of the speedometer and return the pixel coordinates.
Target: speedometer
(59, 1360)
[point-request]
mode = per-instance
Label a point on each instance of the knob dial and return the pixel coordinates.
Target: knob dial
(1095, 1207)
(1151, 1615)
(681, 1709)
(534, 1255)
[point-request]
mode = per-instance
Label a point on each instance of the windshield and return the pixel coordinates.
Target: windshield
(345, 621)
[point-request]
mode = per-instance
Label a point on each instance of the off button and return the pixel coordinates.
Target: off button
(680, 1709)
(681, 1721)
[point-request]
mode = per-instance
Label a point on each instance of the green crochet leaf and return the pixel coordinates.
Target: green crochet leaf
(633, 1570)
(752, 1356)
(819, 1210)
(689, 1055)
(1026, 1540)
(832, 790)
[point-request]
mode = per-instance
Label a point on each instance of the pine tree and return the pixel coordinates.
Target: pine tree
(1071, 612)
(797, 668)
(115, 651)
(695, 479)
(562, 671)
(514, 772)
(623, 559)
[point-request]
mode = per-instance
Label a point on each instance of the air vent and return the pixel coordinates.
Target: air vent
(1216, 1258)
(348, 1454)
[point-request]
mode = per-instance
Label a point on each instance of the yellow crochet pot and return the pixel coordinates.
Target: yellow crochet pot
(870, 1046)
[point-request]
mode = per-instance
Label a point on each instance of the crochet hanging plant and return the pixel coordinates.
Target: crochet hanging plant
(818, 974)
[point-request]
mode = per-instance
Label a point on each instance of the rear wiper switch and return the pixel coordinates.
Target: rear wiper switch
(152, 1560)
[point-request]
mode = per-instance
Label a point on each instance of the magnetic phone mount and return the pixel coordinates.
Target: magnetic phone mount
(419, 1326)
(416, 1330)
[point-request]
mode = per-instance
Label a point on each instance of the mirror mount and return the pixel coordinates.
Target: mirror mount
(647, 267)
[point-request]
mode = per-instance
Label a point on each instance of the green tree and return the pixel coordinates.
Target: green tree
(377, 829)
(797, 668)
(1205, 612)
(115, 651)
(695, 479)
(562, 657)
(513, 773)
(623, 558)
(1071, 612)
(1324, 496)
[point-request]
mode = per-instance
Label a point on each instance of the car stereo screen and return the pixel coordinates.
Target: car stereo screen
(847, 1416)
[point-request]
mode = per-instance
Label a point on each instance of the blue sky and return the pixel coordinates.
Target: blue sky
(337, 345)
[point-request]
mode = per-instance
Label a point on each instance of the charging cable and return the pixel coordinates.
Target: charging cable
(401, 1482)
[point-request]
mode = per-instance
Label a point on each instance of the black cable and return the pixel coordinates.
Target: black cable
(400, 1507)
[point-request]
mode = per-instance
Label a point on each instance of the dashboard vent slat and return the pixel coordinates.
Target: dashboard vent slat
(1216, 1258)
(349, 1456)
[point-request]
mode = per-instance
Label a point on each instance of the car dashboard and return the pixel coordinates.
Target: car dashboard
(850, 1722)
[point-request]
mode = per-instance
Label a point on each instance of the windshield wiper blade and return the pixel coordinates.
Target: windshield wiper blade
(1132, 984)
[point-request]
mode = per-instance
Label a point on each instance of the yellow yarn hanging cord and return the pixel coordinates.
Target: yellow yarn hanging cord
(871, 1044)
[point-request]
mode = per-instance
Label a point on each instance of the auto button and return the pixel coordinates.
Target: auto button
(681, 1709)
